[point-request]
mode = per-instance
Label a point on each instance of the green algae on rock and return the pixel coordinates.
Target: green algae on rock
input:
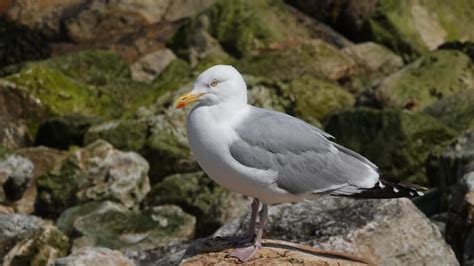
(456, 111)
(60, 94)
(124, 134)
(246, 27)
(97, 172)
(414, 27)
(111, 225)
(398, 142)
(426, 80)
(312, 58)
(446, 166)
(315, 98)
(198, 195)
(93, 67)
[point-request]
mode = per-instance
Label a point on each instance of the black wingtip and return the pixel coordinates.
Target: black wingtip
(389, 187)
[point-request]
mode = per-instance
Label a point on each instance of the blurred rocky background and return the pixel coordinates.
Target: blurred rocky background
(94, 162)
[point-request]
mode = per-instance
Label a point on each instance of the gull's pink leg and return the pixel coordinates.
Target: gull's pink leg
(244, 254)
(251, 231)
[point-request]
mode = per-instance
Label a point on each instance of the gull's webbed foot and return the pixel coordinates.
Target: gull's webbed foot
(245, 253)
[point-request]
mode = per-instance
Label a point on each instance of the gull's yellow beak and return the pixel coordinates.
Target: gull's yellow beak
(185, 99)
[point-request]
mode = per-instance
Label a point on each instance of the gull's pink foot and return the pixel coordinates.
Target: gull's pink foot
(244, 254)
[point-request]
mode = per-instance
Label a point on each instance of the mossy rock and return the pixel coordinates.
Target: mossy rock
(267, 93)
(398, 142)
(411, 28)
(124, 134)
(312, 58)
(19, 44)
(61, 95)
(316, 98)
(56, 190)
(245, 27)
(96, 173)
(198, 195)
(456, 111)
(428, 79)
(167, 147)
(112, 226)
(94, 67)
(176, 74)
(446, 166)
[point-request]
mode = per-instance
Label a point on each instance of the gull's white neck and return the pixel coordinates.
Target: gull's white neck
(222, 114)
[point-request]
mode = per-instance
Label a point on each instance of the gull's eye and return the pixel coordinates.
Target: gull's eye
(214, 83)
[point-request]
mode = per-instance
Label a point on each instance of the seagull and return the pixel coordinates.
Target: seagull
(270, 156)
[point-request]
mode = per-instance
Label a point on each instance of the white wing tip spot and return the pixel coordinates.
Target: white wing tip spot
(381, 185)
(395, 190)
(420, 193)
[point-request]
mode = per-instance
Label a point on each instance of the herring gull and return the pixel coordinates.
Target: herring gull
(271, 156)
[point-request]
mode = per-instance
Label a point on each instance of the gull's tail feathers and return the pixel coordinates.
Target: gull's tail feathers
(387, 187)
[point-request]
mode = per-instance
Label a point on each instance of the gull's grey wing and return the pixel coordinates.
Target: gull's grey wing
(304, 157)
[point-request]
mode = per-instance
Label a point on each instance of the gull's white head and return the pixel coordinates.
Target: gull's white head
(218, 84)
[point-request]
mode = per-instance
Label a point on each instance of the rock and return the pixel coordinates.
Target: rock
(375, 59)
(312, 58)
(385, 232)
(175, 75)
(168, 145)
(459, 228)
(148, 67)
(94, 256)
(6, 210)
(397, 141)
(95, 67)
(44, 160)
(14, 133)
(111, 225)
(65, 131)
(465, 47)
(315, 98)
(18, 44)
(243, 28)
(15, 177)
(125, 134)
(456, 111)
(45, 16)
(215, 251)
(194, 42)
(97, 172)
(60, 94)
(198, 195)
(446, 167)
(428, 79)
(347, 17)
(27, 240)
(18, 112)
(267, 93)
(411, 28)
(102, 20)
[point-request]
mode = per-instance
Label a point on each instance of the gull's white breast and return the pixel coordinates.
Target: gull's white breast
(210, 134)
